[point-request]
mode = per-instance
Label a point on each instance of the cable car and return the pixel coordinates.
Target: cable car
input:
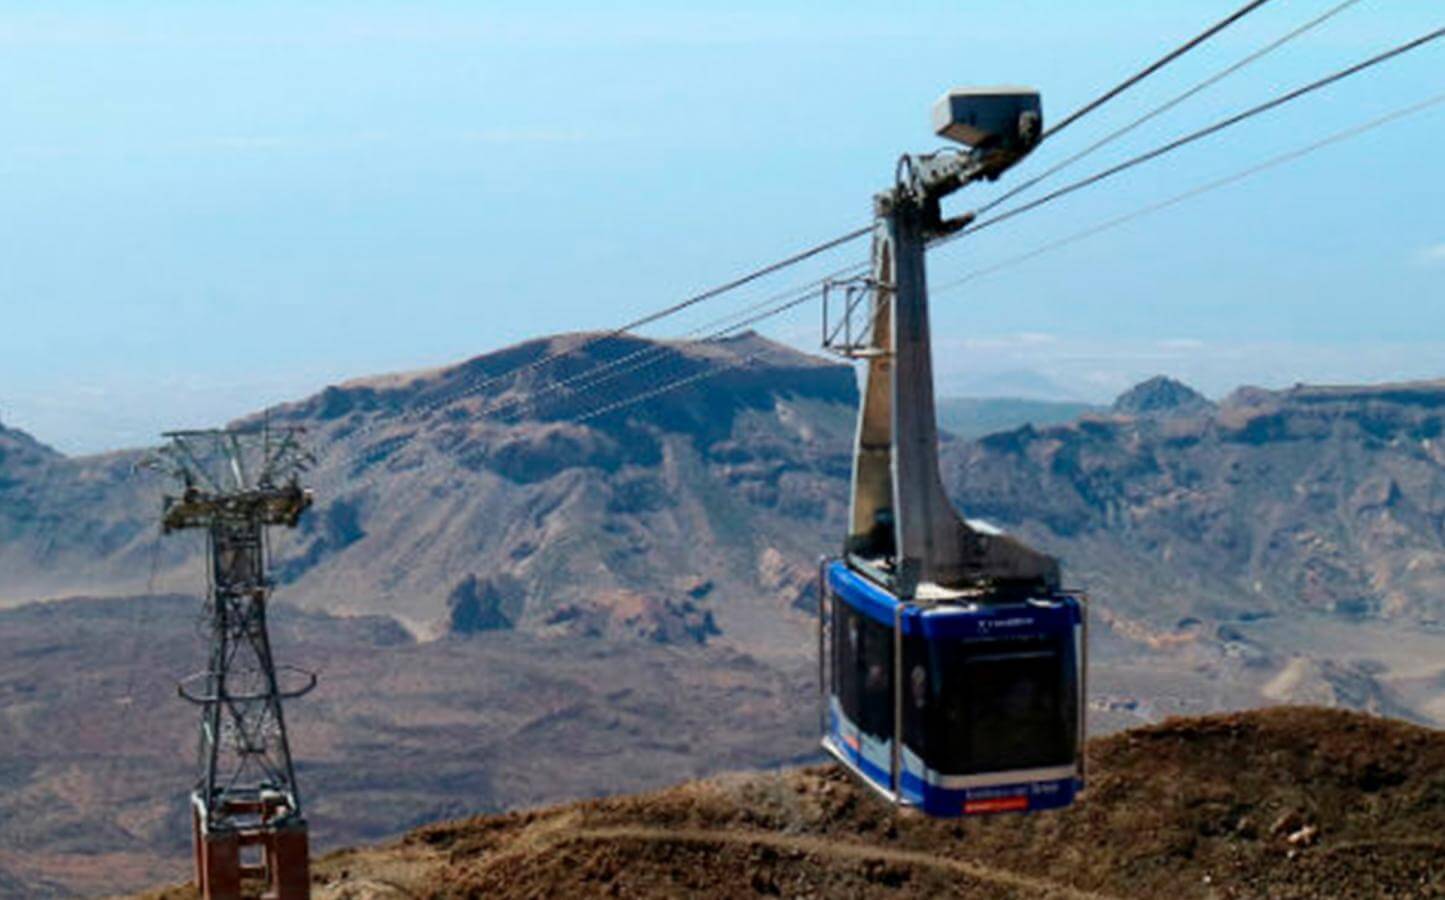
(959, 704)
(951, 664)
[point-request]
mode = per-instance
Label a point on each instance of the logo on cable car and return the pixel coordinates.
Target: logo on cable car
(1015, 622)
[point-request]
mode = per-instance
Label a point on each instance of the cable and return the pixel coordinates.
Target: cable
(1205, 188)
(712, 371)
(777, 309)
(1127, 164)
(1153, 67)
(595, 375)
(592, 340)
(749, 277)
(1092, 179)
(709, 372)
(675, 308)
(1271, 163)
(706, 329)
(1168, 105)
(1193, 136)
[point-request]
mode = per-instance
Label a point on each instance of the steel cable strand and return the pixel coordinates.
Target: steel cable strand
(1196, 135)
(1096, 103)
(1168, 105)
(487, 381)
(1153, 67)
(807, 290)
(708, 330)
(370, 479)
(1205, 188)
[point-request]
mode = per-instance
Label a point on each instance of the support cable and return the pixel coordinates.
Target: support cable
(1054, 195)
(1240, 175)
(777, 309)
(1108, 224)
(1199, 134)
(847, 237)
(1078, 114)
(1168, 105)
(1153, 67)
(707, 331)
(597, 338)
(1116, 221)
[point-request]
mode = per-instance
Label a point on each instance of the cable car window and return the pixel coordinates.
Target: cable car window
(846, 642)
(876, 671)
(1003, 704)
(919, 694)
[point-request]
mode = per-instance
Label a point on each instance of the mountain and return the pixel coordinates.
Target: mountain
(974, 417)
(461, 499)
(521, 588)
(1286, 803)
(1161, 395)
(1307, 500)
(1291, 543)
(69, 525)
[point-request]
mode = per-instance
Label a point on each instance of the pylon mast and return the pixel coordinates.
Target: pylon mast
(237, 483)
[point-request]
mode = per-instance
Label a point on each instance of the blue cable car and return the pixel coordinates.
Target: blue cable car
(958, 705)
(951, 664)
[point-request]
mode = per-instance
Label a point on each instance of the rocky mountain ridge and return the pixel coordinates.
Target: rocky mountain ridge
(1325, 499)
(1286, 803)
(567, 571)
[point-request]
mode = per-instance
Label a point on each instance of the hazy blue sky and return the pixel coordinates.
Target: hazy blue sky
(209, 207)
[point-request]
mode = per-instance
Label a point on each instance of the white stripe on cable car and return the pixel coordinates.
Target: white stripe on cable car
(878, 752)
(996, 779)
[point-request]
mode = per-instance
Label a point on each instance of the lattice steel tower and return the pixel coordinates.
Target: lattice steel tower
(237, 482)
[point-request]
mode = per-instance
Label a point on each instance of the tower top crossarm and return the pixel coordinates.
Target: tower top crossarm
(996, 127)
(234, 473)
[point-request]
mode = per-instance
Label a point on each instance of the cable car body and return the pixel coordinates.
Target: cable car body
(955, 705)
(951, 663)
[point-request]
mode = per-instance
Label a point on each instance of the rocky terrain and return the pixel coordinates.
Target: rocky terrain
(454, 503)
(482, 540)
(97, 753)
(1280, 803)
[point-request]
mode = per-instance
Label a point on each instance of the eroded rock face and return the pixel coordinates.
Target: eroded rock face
(485, 496)
(485, 604)
(1328, 499)
(1321, 499)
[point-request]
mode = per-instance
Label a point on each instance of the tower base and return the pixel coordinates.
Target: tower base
(284, 867)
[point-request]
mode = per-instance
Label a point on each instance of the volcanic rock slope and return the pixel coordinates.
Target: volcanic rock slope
(625, 592)
(1283, 803)
(1322, 499)
(474, 497)
(70, 525)
(1291, 544)
(549, 502)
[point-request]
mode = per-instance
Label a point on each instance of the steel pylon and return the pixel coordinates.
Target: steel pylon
(236, 484)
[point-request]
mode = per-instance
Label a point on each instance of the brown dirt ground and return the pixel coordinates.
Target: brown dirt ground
(1200, 807)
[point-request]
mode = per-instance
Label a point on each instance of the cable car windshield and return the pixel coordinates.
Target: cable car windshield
(996, 704)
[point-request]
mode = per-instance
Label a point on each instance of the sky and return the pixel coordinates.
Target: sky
(212, 207)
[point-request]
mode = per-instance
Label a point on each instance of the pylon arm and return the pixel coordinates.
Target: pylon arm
(272, 506)
(904, 530)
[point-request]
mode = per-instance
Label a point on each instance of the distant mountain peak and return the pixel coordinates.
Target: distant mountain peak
(17, 445)
(1161, 395)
